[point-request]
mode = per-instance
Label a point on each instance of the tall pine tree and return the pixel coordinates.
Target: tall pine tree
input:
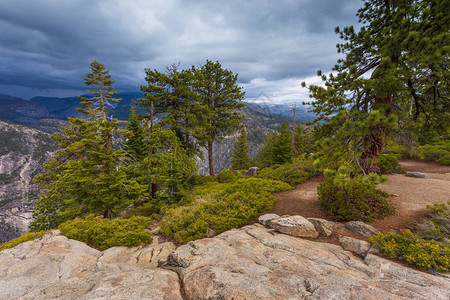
(282, 146)
(86, 174)
(395, 70)
(135, 146)
(171, 96)
(220, 104)
(240, 157)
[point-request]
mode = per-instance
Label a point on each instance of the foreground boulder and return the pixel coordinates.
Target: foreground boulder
(295, 226)
(56, 267)
(248, 263)
(256, 263)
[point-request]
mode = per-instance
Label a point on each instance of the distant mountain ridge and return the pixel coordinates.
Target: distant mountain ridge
(39, 110)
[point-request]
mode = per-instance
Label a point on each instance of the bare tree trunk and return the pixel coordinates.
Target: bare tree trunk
(369, 158)
(210, 158)
(108, 212)
(154, 190)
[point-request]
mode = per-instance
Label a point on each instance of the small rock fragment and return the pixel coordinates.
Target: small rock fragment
(211, 232)
(156, 230)
(354, 245)
(267, 218)
(251, 172)
(324, 227)
(361, 228)
(417, 175)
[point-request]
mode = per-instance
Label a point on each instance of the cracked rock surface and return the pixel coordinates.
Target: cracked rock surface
(248, 263)
(256, 263)
(55, 267)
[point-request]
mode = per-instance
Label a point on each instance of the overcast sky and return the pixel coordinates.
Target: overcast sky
(46, 45)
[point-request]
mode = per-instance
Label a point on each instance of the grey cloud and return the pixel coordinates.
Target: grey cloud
(48, 44)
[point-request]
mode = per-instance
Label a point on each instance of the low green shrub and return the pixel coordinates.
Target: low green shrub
(403, 150)
(436, 226)
(355, 199)
(427, 248)
(291, 173)
(226, 176)
(106, 233)
(438, 152)
(22, 239)
(425, 254)
(388, 163)
(220, 207)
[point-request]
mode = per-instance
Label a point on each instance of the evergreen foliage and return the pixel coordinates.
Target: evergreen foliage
(282, 147)
(220, 207)
(395, 70)
(303, 140)
(353, 199)
(240, 157)
(220, 102)
(438, 151)
(135, 146)
(104, 233)
(201, 105)
(22, 239)
(277, 148)
(388, 163)
(167, 164)
(171, 95)
(86, 174)
(292, 173)
(264, 157)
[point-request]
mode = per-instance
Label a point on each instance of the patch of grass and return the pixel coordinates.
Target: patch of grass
(22, 239)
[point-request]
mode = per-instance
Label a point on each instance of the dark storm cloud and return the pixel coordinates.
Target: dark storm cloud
(46, 45)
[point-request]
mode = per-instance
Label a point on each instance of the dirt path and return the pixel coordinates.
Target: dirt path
(409, 195)
(414, 194)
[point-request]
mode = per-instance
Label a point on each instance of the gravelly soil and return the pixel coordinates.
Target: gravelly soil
(409, 195)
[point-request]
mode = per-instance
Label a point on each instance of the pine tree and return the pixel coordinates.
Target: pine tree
(86, 174)
(240, 158)
(282, 146)
(220, 104)
(395, 70)
(304, 141)
(168, 164)
(264, 157)
(135, 146)
(171, 95)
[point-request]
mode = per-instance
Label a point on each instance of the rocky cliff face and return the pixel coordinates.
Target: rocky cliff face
(22, 153)
(248, 263)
